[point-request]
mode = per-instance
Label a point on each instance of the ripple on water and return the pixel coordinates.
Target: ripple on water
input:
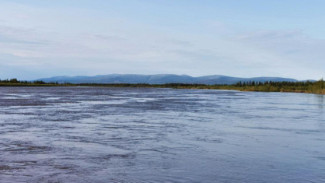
(101, 134)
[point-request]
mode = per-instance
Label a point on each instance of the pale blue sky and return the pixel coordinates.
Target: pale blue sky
(246, 38)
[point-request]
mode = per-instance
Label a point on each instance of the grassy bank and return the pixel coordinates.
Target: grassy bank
(300, 87)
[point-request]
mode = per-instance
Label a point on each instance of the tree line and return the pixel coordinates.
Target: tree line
(317, 87)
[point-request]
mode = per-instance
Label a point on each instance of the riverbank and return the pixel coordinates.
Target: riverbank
(297, 87)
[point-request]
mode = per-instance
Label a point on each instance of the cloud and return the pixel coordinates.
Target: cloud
(294, 46)
(73, 41)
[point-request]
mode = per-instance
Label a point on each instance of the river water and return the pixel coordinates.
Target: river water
(94, 134)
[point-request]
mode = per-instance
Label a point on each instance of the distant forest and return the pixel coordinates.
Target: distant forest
(317, 87)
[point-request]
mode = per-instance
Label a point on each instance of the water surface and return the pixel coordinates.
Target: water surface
(89, 134)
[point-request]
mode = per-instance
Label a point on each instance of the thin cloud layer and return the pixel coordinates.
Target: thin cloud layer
(65, 40)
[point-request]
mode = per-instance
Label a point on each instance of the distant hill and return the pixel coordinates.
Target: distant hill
(158, 79)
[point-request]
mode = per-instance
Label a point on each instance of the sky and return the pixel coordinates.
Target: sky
(246, 38)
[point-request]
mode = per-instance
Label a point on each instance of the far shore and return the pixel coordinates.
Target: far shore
(296, 87)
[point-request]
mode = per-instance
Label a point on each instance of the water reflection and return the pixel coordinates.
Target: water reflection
(320, 100)
(85, 134)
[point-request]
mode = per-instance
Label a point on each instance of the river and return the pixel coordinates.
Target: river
(98, 134)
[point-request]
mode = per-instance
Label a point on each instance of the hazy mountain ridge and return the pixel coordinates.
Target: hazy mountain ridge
(159, 79)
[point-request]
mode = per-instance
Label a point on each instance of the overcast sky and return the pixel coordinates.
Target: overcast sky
(244, 38)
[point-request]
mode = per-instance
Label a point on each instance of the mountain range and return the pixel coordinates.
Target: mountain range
(159, 79)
